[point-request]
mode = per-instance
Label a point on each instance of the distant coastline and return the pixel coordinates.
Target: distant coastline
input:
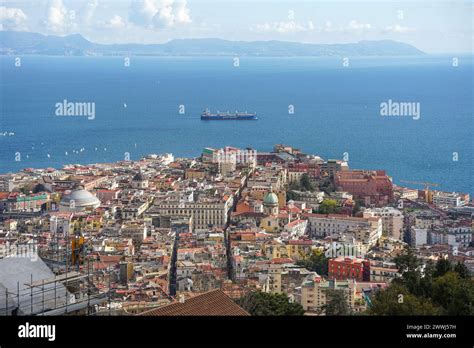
(26, 43)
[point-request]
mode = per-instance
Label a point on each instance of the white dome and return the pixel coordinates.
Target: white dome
(79, 199)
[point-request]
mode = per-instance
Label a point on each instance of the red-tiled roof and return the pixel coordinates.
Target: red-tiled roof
(294, 223)
(282, 260)
(110, 258)
(300, 242)
(211, 303)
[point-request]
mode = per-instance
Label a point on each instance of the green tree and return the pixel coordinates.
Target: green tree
(317, 262)
(397, 300)
(442, 267)
(409, 266)
(407, 262)
(336, 303)
(328, 206)
(305, 183)
(426, 281)
(356, 207)
(454, 294)
(327, 186)
(39, 188)
(434, 289)
(462, 270)
(261, 304)
(27, 189)
(290, 195)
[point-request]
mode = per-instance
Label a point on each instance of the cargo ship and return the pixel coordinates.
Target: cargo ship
(207, 115)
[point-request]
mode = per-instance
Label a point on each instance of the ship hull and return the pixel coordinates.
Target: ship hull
(227, 118)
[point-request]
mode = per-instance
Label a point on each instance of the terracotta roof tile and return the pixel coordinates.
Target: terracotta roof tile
(211, 303)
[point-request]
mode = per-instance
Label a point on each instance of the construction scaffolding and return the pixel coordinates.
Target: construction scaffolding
(67, 293)
(28, 286)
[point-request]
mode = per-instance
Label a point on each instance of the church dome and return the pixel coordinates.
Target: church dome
(82, 200)
(270, 199)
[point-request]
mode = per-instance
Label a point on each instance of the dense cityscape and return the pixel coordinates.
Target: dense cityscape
(231, 232)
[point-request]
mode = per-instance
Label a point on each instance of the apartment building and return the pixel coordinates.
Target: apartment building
(204, 212)
(369, 230)
(392, 220)
(314, 291)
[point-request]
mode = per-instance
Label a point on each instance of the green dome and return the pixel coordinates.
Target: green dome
(270, 199)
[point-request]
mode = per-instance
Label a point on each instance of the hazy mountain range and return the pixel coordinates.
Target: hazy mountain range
(23, 43)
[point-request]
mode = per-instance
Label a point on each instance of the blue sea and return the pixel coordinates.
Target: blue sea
(336, 110)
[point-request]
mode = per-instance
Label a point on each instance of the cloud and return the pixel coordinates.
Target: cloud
(116, 22)
(58, 18)
(12, 19)
(159, 13)
(141, 12)
(182, 12)
(327, 27)
(89, 11)
(356, 26)
(284, 27)
(352, 27)
(398, 29)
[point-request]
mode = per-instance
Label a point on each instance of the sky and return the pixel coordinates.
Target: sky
(434, 26)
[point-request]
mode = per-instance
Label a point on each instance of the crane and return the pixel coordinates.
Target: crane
(425, 184)
(428, 195)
